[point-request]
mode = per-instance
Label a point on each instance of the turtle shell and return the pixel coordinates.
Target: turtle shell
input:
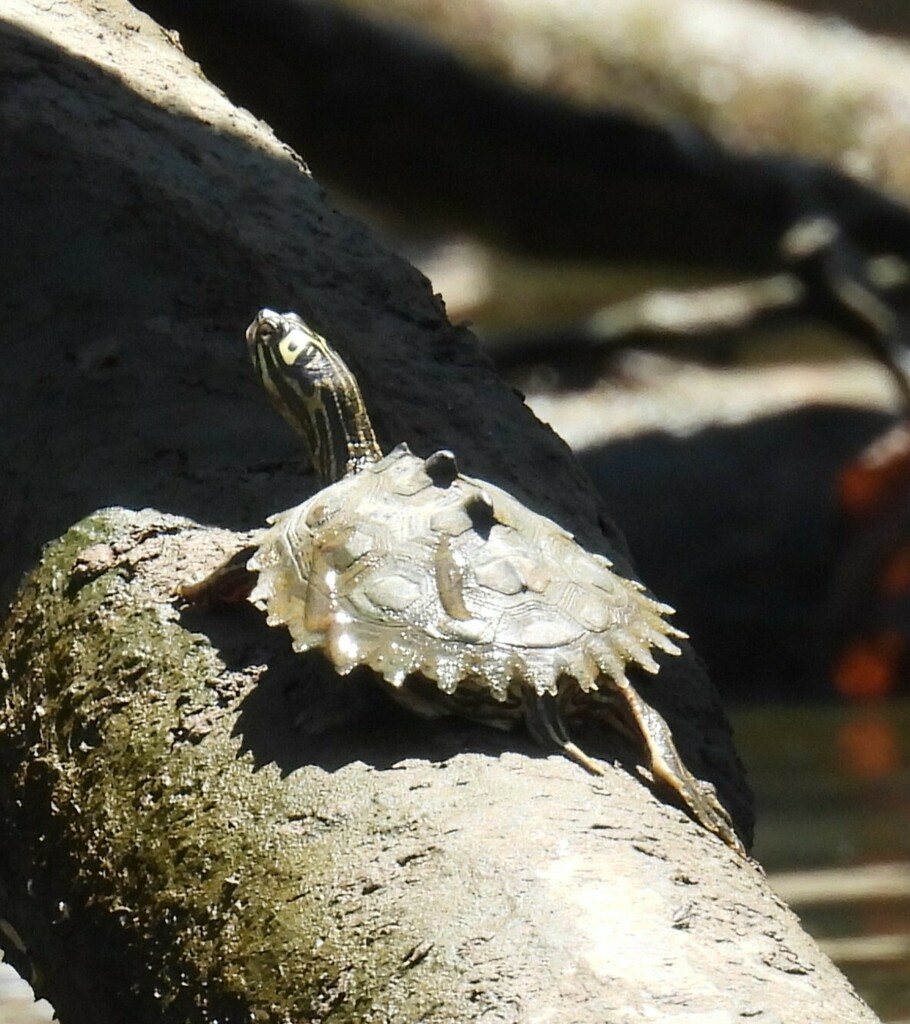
(408, 566)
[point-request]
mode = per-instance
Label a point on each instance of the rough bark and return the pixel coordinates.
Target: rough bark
(150, 868)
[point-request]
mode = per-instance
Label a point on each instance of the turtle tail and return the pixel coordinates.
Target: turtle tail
(545, 724)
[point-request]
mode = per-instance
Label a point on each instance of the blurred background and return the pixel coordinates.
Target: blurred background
(682, 229)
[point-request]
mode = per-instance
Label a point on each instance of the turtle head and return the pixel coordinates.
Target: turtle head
(315, 391)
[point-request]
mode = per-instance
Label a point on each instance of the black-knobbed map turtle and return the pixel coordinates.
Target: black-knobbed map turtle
(408, 566)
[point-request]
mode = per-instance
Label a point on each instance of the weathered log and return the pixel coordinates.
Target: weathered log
(238, 835)
(694, 135)
(152, 872)
(750, 73)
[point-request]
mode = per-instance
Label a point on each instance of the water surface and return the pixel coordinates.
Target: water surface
(832, 787)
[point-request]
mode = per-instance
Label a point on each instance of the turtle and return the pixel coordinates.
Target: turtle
(460, 598)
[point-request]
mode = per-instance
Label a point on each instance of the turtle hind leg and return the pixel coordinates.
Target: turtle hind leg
(668, 768)
(545, 724)
(230, 584)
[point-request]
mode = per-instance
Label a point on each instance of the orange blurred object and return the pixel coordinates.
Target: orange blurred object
(877, 476)
(872, 585)
(868, 666)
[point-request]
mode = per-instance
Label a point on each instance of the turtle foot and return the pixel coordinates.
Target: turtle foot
(669, 770)
(230, 584)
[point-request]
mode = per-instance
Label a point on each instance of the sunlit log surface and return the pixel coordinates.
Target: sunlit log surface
(18, 1004)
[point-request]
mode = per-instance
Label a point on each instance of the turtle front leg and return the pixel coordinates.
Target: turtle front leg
(667, 765)
(230, 584)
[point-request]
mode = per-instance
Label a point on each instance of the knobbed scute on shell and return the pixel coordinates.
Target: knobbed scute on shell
(409, 568)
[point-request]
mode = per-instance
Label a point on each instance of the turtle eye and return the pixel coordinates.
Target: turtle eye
(289, 348)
